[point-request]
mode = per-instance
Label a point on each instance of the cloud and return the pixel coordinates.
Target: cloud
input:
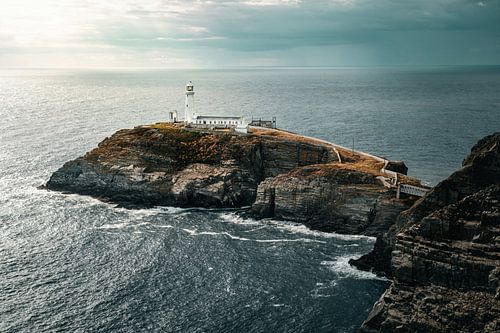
(215, 33)
(343, 3)
(271, 2)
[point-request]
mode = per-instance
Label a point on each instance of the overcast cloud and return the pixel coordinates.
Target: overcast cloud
(202, 33)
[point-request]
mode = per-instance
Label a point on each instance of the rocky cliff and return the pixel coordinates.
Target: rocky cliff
(171, 165)
(444, 254)
(281, 174)
(329, 197)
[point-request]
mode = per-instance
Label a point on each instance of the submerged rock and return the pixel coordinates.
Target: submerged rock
(443, 254)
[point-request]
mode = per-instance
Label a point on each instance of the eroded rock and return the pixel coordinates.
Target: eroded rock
(329, 198)
(445, 258)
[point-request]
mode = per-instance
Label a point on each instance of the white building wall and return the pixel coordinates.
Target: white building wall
(189, 108)
(238, 123)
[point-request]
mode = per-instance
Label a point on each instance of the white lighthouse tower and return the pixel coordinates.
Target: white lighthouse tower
(189, 106)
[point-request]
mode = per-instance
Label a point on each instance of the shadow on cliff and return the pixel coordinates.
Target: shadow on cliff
(442, 254)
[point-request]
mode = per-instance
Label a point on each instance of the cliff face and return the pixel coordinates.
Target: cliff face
(329, 198)
(284, 175)
(168, 165)
(445, 254)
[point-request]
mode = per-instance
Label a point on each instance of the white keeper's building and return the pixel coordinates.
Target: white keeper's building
(238, 123)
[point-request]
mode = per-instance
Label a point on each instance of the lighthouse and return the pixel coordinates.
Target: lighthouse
(197, 120)
(189, 106)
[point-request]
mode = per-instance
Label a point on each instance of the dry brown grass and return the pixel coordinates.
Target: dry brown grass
(349, 158)
(285, 135)
(165, 125)
(350, 166)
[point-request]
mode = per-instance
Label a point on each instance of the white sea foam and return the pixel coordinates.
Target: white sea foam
(163, 226)
(236, 237)
(189, 231)
(124, 225)
(212, 233)
(139, 212)
(291, 227)
(81, 199)
(342, 267)
(171, 210)
(322, 289)
(297, 228)
(87, 201)
(304, 240)
(115, 226)
(91, 201)
(237, 219)
(230, 217)
(255, 229)
(321, 295)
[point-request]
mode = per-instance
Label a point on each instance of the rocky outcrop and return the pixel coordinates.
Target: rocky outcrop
(445, 258)
(480, 170)
(281, 174)
(170, 165)
(329, 197)
(442, 253)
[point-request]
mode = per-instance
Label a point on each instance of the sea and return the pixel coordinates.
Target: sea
(71, 263)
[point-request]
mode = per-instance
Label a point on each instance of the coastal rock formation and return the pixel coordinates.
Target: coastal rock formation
(329, 197)
(442, 253)
(170, 165)
(445, 259)
(284, 175)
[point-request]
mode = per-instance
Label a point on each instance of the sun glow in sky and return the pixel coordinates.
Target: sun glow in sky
(203, 33)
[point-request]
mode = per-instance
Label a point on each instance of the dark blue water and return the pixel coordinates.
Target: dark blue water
(71, 263)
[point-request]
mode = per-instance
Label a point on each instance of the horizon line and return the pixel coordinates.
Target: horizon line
(237, 67)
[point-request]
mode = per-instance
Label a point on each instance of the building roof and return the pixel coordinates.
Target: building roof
(219, 117)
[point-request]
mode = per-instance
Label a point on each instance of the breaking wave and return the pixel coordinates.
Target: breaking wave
(212, 233)
(342, 267)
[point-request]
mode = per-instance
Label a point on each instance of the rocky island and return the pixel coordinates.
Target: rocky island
(441, 250)
(278, 173)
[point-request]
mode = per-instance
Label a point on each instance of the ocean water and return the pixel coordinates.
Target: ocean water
(72, 263)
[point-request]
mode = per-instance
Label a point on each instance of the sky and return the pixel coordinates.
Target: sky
(240, 33)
